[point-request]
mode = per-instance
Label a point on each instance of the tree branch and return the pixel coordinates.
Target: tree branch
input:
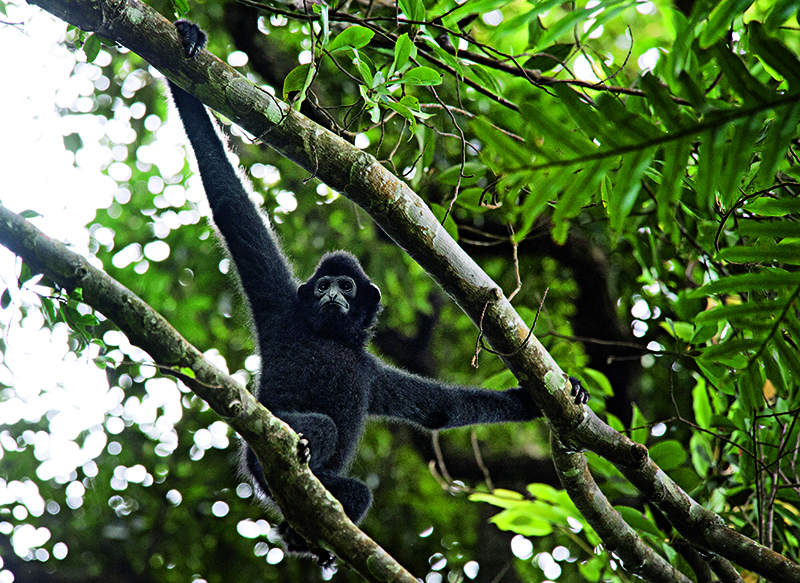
(617, 535)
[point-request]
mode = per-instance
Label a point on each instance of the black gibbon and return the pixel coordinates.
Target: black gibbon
(316, 372)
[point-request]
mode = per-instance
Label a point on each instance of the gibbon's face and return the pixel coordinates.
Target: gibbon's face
(335, 292)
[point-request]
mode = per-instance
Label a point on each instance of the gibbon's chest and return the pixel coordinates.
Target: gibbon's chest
(313, 373)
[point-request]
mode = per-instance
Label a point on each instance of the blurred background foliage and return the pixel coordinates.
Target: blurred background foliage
(637, 160)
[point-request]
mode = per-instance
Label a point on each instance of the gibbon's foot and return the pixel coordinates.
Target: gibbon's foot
(296, 544)
(192, 37)
(303, 449)
(325, 559)
(581, 395)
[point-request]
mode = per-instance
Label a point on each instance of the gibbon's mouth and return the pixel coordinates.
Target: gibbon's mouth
(343, 307)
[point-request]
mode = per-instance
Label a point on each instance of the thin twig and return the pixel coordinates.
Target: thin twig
(479, 459)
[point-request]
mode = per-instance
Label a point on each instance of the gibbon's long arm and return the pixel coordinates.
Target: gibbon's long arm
(436, 405)
(266, 277)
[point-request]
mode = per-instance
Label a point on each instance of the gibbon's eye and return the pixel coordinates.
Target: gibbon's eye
(346, 285)
(323, 285)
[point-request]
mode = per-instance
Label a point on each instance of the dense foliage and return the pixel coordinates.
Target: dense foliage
(637, 159)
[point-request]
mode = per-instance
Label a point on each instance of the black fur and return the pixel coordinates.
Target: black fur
(316, 372)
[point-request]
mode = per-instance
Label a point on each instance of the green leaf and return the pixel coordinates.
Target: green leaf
(413, 9)
(629, 183)
(25, 274)
(295, 80)
(535, 202)
(775, 147)
(49, 310)
(702, 454)
(324, 22)
(412, 103)
(701, 404)
(571, 20)
(747, 465)
(550, 57)
(639, 128)
(721, 422)
(742, 81)
(29, 214)
(715, 373)
(780, 12)
(771, 207)
(779, 253)
(591, 122)
(638, 521)
(714, 147)
(639, 421)
(479, 7)
(353, 37)
(775, 373)
(89, 320)
(679, 330)
(598, 380)
(686, 478)
(775, 55)
(405, 112)
(579, 193)
(444, 56)
(765, 280)
(485, 77)
(686, 307)
(673, 169)
(757, 228)
(668, 454)
(363, 64)
(500, 380)
(691, 90)
(499, 497)
(473, 171)
(737, 161)
(5, 299)
(703, 334)
(403, 50)
(788, 356)
(731, 352)
(663, 103)
(557, 136)
(105, 41)
(741, 312)
(502, 144)
(374, 111)
(549, 494)
(751, 389)
(772, 229)
(92, 48)
(522, 521)
(517, 24)
(720, 19)
(421, 76)
(102, 361)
